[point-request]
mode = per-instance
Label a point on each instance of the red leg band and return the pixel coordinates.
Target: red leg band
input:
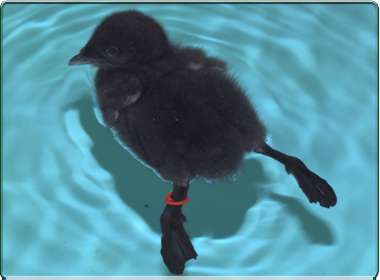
(169, 200)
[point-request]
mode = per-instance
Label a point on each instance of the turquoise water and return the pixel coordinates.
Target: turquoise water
(76, 203)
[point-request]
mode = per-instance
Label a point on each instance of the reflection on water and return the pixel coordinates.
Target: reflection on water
(76, 203)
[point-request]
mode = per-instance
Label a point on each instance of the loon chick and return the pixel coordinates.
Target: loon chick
(180, 112)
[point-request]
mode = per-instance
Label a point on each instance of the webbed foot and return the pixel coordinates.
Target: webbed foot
(176, 247)
(314, 187)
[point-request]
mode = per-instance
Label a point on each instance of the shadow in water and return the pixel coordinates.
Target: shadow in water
(218, 209)
(315, 229)
(215, 210)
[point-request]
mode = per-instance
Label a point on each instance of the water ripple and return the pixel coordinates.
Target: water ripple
(74, 198)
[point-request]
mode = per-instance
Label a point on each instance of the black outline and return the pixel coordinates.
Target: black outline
(374, 3)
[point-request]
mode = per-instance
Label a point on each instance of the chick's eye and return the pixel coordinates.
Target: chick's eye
(112, 51)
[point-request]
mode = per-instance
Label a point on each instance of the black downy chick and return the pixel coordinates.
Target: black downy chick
(181, 113)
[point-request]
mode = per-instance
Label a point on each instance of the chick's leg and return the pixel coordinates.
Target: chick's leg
(176, 247)
(314, 187)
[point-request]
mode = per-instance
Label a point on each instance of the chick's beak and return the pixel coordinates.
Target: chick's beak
(79, 59)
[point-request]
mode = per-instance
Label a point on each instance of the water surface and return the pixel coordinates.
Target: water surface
(76, 203)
